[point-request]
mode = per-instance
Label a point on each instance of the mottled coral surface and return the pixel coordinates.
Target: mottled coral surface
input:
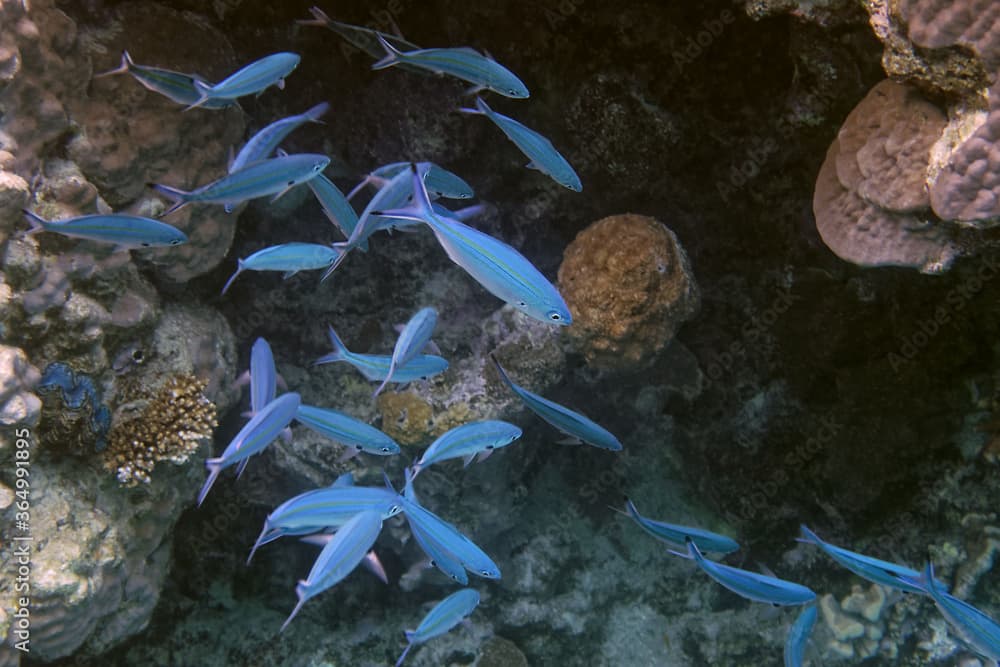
(629, 287)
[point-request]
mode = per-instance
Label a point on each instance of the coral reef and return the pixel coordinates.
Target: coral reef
(938, 170)
(629, 286)
(18, 405)
(168, 426)
(855, 622)
(74, 393)
(870, 200)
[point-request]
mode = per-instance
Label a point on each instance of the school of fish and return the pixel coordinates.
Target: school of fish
(345, 519)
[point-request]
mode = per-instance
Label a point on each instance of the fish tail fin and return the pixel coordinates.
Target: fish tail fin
(388, 376)
(203, 89)
(374, 565)
(340, 350)
(409, 638)
(314, 114)
(501, 372)
(392, 54)
(177, 196)
(258, 544)
(388, 482)
(482, 107)
(420, 209)
(239, 270)
(808, 537)
(319, 18)
(630, 509)
(37, 222)
(302, 591)
(357, 188)
(123, 68)
(214, 468)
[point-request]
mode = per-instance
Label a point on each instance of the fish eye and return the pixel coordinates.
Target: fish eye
(522, 304)
(485, 573)
(144, 244)
(385, 449)
(555, 317)
(175, 242)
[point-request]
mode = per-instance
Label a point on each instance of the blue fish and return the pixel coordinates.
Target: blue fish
(677, 536)
(265, 142)
(288, 257)
(346, 430)
(542, 154)
(499, 268)
(445, 615)
(439, 181)
(335, 206)
(447, 539)
(263, 376)
(375, 367)
(415, 336)
(339, 557)
(576, 426)
(255, 435)
(273, 176)
(363, 38)
(176, 86)
(480, 438)
(323, 509)
(462, 63)
(798, 636)
(978, 630)
(253, 79)
(874, 570)
(125, 231)
(751, 585)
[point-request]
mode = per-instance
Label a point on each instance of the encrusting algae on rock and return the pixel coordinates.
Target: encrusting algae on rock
(629, 286)
(171, 427)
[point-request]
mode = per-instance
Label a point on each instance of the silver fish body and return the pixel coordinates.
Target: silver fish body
(568, 421)
(264, 143)
(462, 63)
(376, 366)
(499, 268)
(542, 154)
(751, 585)
(287, 257)
(346, 430)
(273, 176)
(467, 441)
(263, 376)
(411, 342)
(249, 80)
(124, 231)
(445, 615)
(176, 86)
(339, 557)
(255, 435)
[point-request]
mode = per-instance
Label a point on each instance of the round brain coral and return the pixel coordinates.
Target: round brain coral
(629, 286)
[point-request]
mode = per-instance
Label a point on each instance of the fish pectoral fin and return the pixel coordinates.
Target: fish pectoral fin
(474, 90)
(280, 194)
(280, 84)
(570, 440)
(467, 459)
(288, 274)
(532, 165)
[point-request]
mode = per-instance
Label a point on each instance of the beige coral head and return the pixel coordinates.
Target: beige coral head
(629, 286)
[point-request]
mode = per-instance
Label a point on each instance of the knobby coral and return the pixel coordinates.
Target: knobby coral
(170, 427)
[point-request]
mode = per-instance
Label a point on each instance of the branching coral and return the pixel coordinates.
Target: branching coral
(170, 427)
